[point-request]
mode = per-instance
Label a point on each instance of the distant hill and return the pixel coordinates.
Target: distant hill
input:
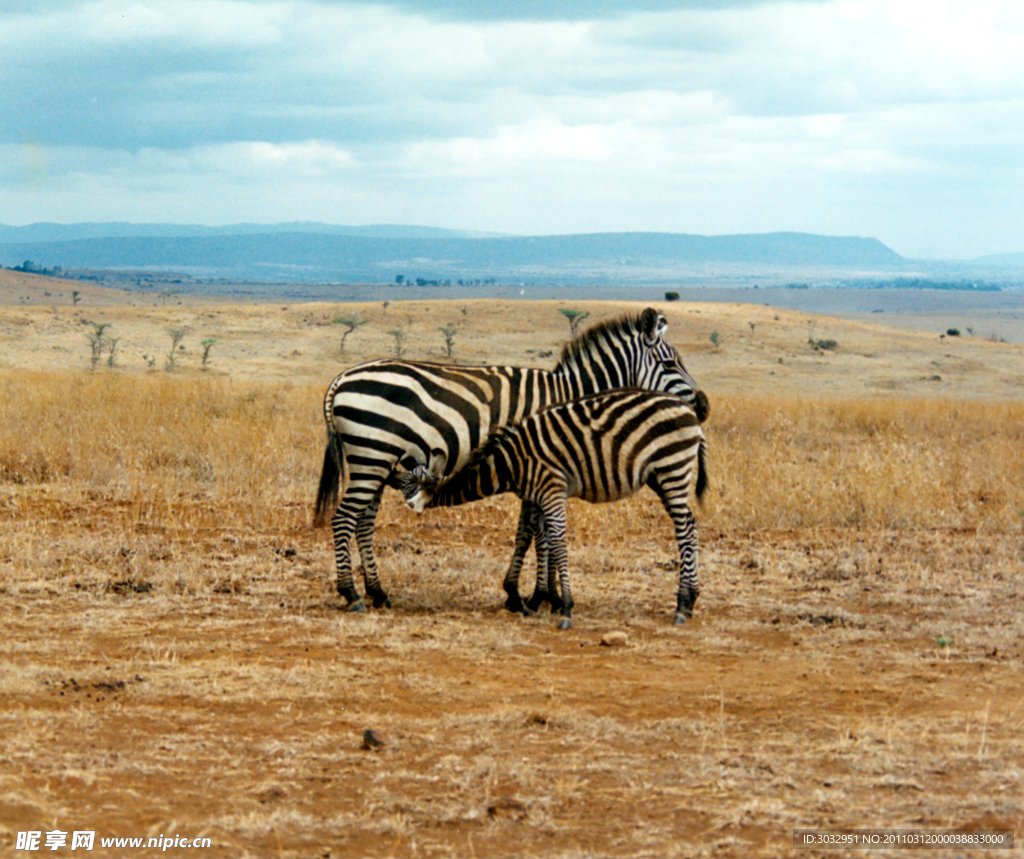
(319, 253)
(50, 232)
(1002, 260)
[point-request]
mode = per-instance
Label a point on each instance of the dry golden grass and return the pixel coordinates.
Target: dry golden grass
(873, 464)
(175, 661)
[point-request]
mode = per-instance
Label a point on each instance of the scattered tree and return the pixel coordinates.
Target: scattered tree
(207, 346)
(671, 296)
(351, 321)
(575, 317)
(75, 297)
(399, 336)
(449, 332)
(716, 339)
(97, 341)
(953, 332)
(177, 335)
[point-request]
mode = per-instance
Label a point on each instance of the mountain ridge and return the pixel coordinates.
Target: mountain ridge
(50, 231)
(311, 255)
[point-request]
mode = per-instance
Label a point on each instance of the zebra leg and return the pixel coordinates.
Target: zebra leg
(558, 555)
(343, 524)
(524, 536)
(674, 493)
(686, 539)
(364, 539)
(546, 589)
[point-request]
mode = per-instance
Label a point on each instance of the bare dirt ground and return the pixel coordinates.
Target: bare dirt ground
(175, 662)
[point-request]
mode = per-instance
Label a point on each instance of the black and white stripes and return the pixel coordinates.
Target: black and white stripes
(391, 413)
(599, 448)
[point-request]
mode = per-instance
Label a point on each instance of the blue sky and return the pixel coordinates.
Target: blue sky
(897, 119)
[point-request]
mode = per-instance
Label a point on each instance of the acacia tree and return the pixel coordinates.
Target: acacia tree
(351, 321)
(399, 336)
(98, 341)
(207, 346)
(575, 317)
(177, 335)
(449, 332)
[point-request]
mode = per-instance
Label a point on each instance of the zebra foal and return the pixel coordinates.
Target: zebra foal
(387, 415)
(599, 448)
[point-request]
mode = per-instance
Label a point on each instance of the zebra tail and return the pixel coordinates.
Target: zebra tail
(702, 470)
(330, 478)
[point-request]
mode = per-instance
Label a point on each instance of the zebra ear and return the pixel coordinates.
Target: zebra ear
(652, 325)
(438, 460)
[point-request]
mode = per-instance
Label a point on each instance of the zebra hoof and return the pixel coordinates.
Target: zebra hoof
(566, 623)
(679, 619)
(515, 606)
(358, 607)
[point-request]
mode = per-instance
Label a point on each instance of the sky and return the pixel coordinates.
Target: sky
(901, 120)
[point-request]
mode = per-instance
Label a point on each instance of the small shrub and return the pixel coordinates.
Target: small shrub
(716, 339)
(819, 344)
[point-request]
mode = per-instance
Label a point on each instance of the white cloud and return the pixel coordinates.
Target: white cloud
(841, 115)
(216, 22)
(538, 140)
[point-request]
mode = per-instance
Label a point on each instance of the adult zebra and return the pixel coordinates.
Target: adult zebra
(388, 413)
(600, 448)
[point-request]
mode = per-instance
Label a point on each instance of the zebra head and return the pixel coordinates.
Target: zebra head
(420, 485)
(661, 368)
(629, 352)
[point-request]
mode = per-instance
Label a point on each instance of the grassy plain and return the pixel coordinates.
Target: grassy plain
(176, 663)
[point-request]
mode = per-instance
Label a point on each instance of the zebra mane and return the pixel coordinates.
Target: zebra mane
(581, 348)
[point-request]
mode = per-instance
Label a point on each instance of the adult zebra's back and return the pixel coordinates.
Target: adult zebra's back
(388, 413)
(600, 448)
